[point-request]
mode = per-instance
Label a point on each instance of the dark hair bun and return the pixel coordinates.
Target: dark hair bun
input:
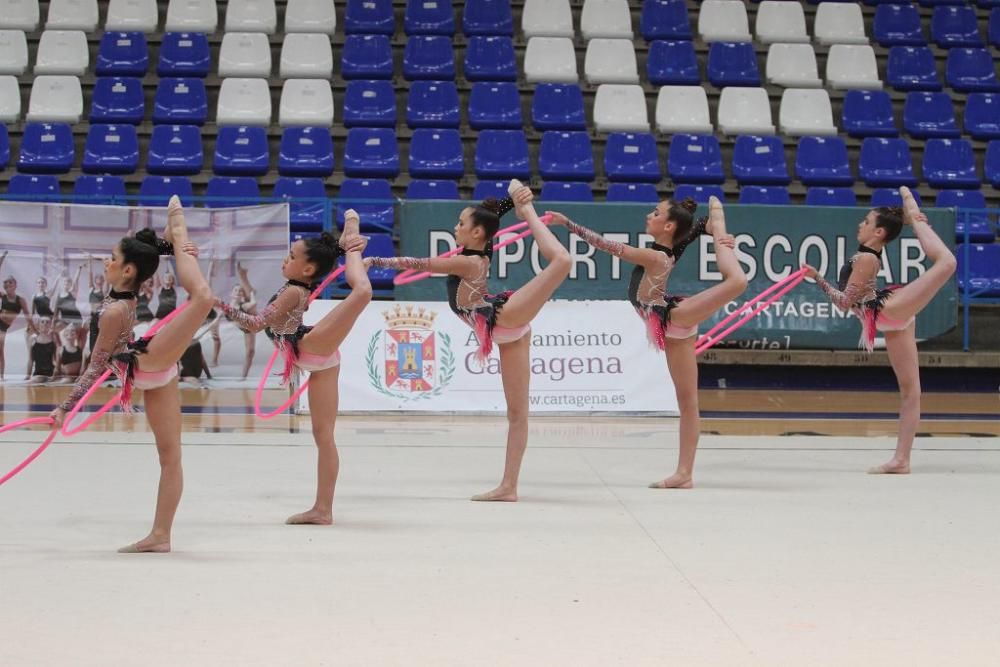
(498, 206)
(895, 210)
(329, 240)
(148, 236)
(688, 205)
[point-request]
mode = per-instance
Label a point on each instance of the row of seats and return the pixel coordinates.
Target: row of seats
(900, 25)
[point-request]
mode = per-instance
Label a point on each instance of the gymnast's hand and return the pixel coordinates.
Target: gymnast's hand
(57, 416)
(354, 243)
(810, 271)
(557, 218)
(191, 249)
(727, 240)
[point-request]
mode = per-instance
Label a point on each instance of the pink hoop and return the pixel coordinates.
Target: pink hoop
(736, 313)
(35, 454)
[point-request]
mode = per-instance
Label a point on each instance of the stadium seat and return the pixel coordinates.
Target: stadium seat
(672, 64)
(852, 66)
(792, 65)
(122, 54)
(55, 99)
(248, 54)
(912, 68)
(557, 191)
(557, 106)
(839, 23)
(377, 213)
(955, 26)
(641, 193)
(732, 64)
(62, 52)
(490, 59)
(823, 161)
(423, 189)
(117, 100)
(306, 56)
(370, 104)
(364, 17)
(620, 108)
(10, 100)
(889, 197)
(683, 109)
(184, 54)
(546, 18)
(371, 152)
(306, 102)
(886, 163)
(304, 151)
(487, 188)
(993, 30)
(745, 111)
(243, 151)
(379, 245)
(982, 116)
(699, 193)
(502, 154)
(111, 149)
(609, 19)
(251, 16)
(311, 16)
(495, 105)
(868, 113)
(970, 70)
(132, 15)
(772, 195)
(898, 25)
(366, 57)
(175, 149)
(21, 15)
(487, 17)
(759, 161)
(664, 19)
(610, 61)
(192, 16)
(695, 159)
(180, 101)
(432, 104)
(245, 102)
(982, 277)
(969, 217)
(781, 22)
(929, 115)
(550, 59)
(308, 203)
(436, 154)
(13, 52)
(566, 156)
(4, 147)
(723, 21)
(950, 163)
(231, 192)
(429, 57)
(157, 190)
(429, 17)
(831, 197)
(33, 187)
(98, 190)
(806, 111)
(46, 148)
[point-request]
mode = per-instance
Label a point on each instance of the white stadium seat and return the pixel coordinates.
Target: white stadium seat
(252, 16)
(55, 99)
(745, 111)
(62, 52)
(306, 56)
(611, 19)
(245, 54)
(852, 66)
(620, 108)
(806, 112)
(550, 59)
(723, 21)
(244, 102)
(13, 52)
(792, 66)
(611, 61)
(72, 15)
(306, 102)
(132, 15)
(683, 109)
(546, 18)
(311, 16)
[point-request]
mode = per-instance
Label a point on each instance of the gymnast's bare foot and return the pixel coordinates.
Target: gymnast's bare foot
(148, 545)
(313, 517)
(501, 494)
(893, 467)
(675, 481)
(176, 232)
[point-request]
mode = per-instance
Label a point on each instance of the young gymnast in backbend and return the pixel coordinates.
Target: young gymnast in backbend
(316, 348)
(892, 310)
(150, 365)
(504, 318)
(672, 321)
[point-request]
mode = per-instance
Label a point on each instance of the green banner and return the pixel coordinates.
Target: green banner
(772, 241)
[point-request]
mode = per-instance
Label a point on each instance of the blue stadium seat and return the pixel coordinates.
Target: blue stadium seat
(372, 199)
(672, 63)
(557, 106)
(664, 19)
(495, 105)
(502, 154)
(184, 54)
(950, 163)
(429, 57)
(935, 3)
(929, 115)
(760, 161)
(487, 17)
(370, 104)
(732, 64)
(643, 193)
(371, 152)
(364, 17)
(566, 156)
(89, 189)
(632, 157)
(366, 57)
(823, 161)
(4, 147)
(423, 189)
(699, 193)
(695, 158)
(490, 59)
(305, 151)
(886, 162)
(175, 149)
(771, 195)
(955, 26)
(912, 68)
(982, 116)
(976, 221)
(432, 104)
(991, 164)
(111, 149)
(307, 202)
(983, 269)
(993, 31)
(46, 148)
(122, 54)
(118, 100)
(230, 192)
(556, 191)
(971, 69)
(157, 190)
(33, 187)
(180, 101)
(868, 113)
(436, 153)
(243, 151)
(487, 188)
(889, 197)
(898, 25)
(831, 197)
(429, 18)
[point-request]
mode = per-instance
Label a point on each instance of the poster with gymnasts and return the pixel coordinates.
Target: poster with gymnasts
(51, 265)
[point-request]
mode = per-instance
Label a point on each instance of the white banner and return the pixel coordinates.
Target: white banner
(586, 356)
